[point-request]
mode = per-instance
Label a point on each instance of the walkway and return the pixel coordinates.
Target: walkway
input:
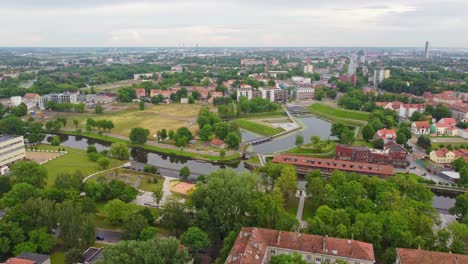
(300, 211)
(96, 173)
(145, 198)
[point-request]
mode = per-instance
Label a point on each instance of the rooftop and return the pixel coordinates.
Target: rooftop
(417, 256)
(252, 244)
(37, 258)
(7, 137)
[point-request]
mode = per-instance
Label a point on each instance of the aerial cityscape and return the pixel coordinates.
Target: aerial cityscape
(234, 132)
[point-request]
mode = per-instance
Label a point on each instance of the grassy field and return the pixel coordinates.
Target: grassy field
(57, 258)
(74, 160)
(131, 176)
(338, 112)
(154, 117)
(258, 128)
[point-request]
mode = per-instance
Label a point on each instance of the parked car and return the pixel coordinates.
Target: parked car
(424, 174)
(99, 237)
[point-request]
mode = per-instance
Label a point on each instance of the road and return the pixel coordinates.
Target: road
(110, 236)
(420, 170)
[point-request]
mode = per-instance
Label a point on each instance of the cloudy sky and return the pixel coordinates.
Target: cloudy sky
(233, 23)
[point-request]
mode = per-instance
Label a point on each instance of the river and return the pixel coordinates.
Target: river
(170, 165)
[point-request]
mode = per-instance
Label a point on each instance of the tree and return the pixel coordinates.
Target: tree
(98, 109)
(103, 162)
(24, 248)
(232, 140)
(299, 140)
(287, 181)
(174, 215)
(295, 258)
(133, 226)
(76, 123)
(29, 172)
(44, 241)
(461, 206)
(139, 135)
(141, 105)
(157, 196)
(205, 132)
(195, 239)
(55, 141)
(401, 138)
(73, 256)
(12, 125)
(347, 136)
(424, 142)
(19, 193)
(69, 181)
(150, 169)
(184, 172)
(117, 211)
(35, 133)
(119, 151)
(221, 130)
(163, 134)
(378, 143)
(315, 139)
(163, 250)
(368, 132)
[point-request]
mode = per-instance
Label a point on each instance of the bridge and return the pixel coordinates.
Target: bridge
(258, 140)
(447, 190)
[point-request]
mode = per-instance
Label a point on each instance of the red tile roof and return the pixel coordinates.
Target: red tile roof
(19, 261)
(252, 244)
(422, 124)
(383, 133)
(418, 256)
(359, 167)
(217, 142)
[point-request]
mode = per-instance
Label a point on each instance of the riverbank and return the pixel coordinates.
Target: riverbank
(170, 152)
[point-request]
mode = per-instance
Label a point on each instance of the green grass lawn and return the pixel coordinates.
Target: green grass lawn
(338, 112)
(291, 205)
(74, 160)
(258, 128)
(57, 258)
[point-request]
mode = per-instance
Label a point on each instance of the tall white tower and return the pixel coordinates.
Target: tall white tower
(426, 50)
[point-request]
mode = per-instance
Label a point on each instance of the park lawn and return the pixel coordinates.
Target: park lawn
(291, 205)
(144, 184)
(57, 258)
(338, 112)
(258, 128)
(310, 149)
(153, 118)
(74, 160)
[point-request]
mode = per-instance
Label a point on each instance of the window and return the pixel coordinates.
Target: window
(318, 259)
(273, 251)
(309, 257)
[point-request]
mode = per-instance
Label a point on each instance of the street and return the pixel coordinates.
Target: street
(110, 236)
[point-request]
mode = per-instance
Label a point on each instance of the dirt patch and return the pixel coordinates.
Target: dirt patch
(41, 157)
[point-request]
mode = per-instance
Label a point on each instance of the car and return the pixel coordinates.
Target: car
(99, 237)
(412, 168)
(424, 174)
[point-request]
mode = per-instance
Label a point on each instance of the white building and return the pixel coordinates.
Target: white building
(15, 100)
(309, 68)
(380, 74)
(58, 98)
(268, 93)
(11, 150)
(247, 92)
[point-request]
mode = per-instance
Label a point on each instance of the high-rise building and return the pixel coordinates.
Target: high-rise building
(426, 50)
(308, 68)
(380, 74)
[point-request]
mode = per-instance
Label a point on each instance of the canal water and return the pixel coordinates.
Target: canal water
(171, 165)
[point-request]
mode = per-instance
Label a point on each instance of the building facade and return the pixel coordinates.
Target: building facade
(421, 128)
(419, 256)
(71, 98)
(11, 150)
(392, 154)
(445, 156)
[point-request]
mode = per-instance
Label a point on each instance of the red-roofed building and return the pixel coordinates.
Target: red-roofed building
(392, 154)
(386, 134)
(215, 95)
(257, 245)
(445, 156)
(217, 143)
(459, 111)
(404, 110)
(327, 166)
(447, 127)
(165, 93)
(419, 256)
(421, 128)
(140, 93)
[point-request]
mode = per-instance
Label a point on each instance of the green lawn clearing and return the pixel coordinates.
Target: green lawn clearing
(57, 258)
(258, 128)
(74, 160)
(338, 112)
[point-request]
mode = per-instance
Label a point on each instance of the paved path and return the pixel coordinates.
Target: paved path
(146, 198)
(300, 211)
(110, 236)
(96, 173)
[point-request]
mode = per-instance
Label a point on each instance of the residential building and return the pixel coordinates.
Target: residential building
(29, 258)
(71, 98)
(308, 68)
(447, 97)
(144, 76)
(451, 176)
(184, 100)
(351, 78)
(386, 134)
(215, 95)
(459, 111)
(246, 92)
(11, 150)
(165, 93)
(249, 62)
(305, 164)
(140, 93)
(447, 127)
(303, 93)
(15, 100)
(300, 79)
(404, 110)
(445, 156)
(281, 96)
(268, 93)
(392, 154)
(258, 245)
(380, 74)
(419, 256)
(31, 100)
(92, 255)
(217, 143)
(421, 128)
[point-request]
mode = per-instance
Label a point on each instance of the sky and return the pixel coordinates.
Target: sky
(311, 23)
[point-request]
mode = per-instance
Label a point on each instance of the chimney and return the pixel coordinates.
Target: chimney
(324, 242)
(279, 239)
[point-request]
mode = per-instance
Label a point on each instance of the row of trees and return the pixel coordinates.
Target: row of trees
(65, 107)
(211, 125)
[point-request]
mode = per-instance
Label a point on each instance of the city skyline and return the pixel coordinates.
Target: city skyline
(125, 23)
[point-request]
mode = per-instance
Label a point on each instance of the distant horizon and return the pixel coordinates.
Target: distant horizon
(233, 23)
